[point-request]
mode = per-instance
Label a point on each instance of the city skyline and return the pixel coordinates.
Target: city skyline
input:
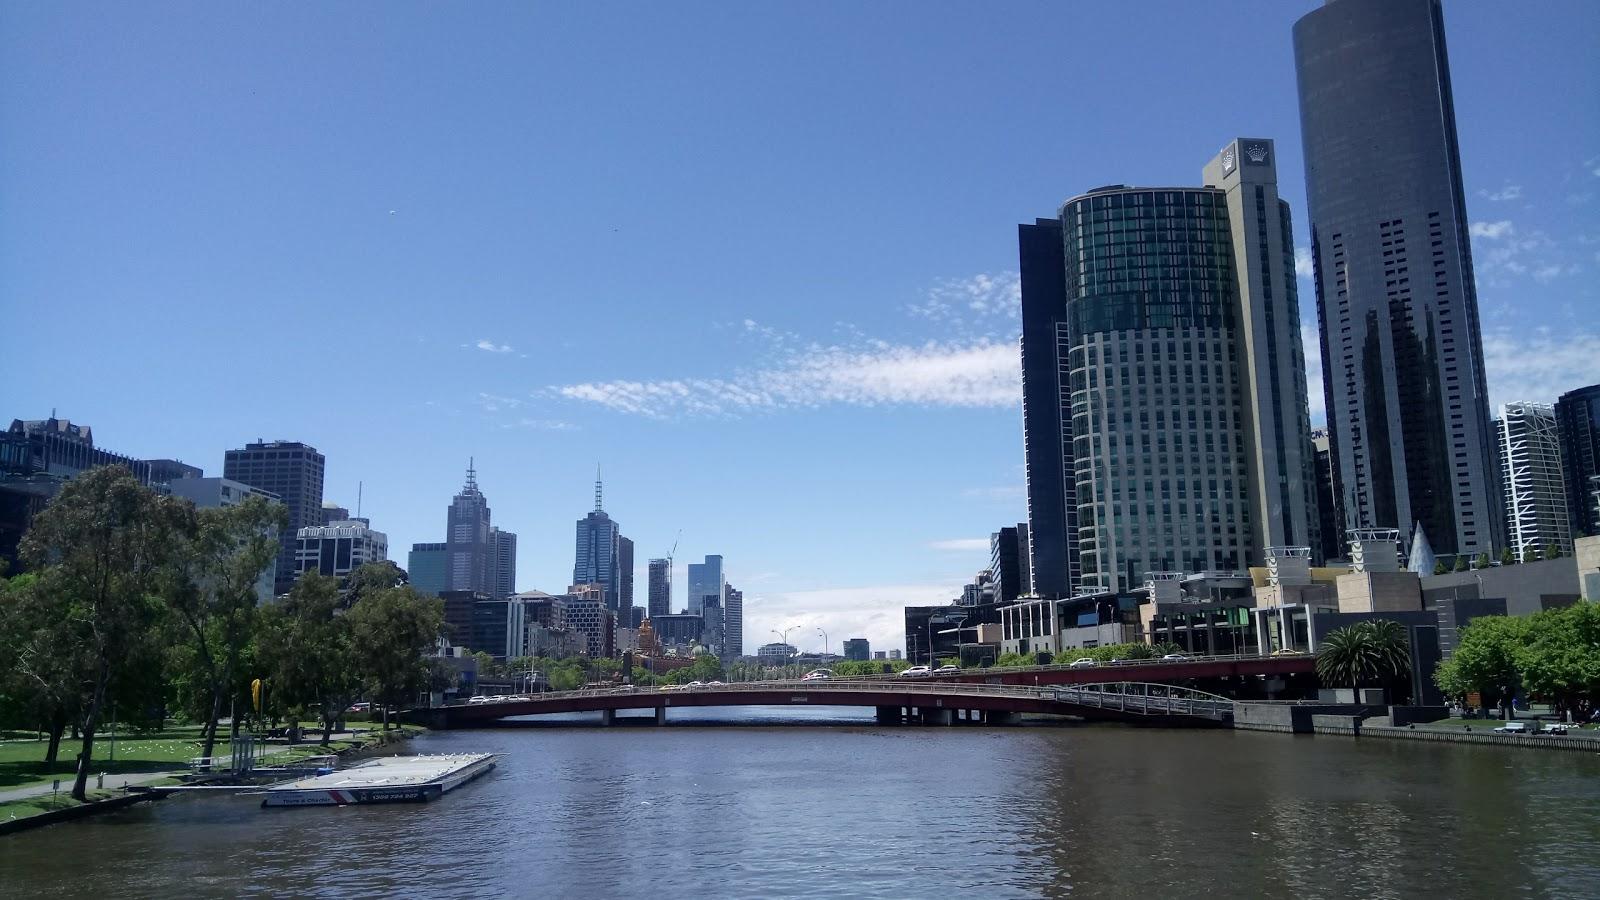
(425, 277)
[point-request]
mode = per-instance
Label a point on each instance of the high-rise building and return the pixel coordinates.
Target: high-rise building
(733, 624)
(1046, 433)
(1407, 400)
(1578, 419)
(705, 580)
(1181, 376)
(467, 537)
(294, 472)
(164, 471)
(215, 492)
(338, 549)
(588, 614)
(1008, 562)
(57, 447)
(428, 568)
(502, 563)
(857, 649)
(1331, 531)
(660, 587)
(333, 512)
(1530, 471)
(599, 553)
(624, 573)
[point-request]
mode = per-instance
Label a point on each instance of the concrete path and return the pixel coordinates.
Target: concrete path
(112, 781)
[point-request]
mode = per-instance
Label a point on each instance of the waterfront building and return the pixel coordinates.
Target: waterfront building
(499, 626)
(428, 568)
(211, 493)
(880, 654)
(682, 630)
(733, 624)
(338, 549)
(458, 606)
(293, 471)
(1530, 474)
(776, 654)
(896, 654)
(705, 580)
(944, 627)
(1180, 368)
(660, 587)
(599, 551)
(857, 649)
(1578, 420)
(590, 615)
(467, 538)
(713, 634)
(1008, 562)
(502, 563)
(1046, 433)
(1407, 400)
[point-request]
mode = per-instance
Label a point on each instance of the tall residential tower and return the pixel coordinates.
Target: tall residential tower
(1407, 401)
(293, 471)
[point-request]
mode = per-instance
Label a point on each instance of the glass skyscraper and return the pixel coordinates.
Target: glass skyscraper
(1530, 471)
(1578, 420)
(1407, 400)
(599, 553)
(467, 539)
(706, 580)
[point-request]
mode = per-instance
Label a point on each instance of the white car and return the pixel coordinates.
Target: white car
(1174, 657)
(946, 670)
(818, 675)
(1082, 662)
(916, 672)
(1512, 728)
(480, 699)
(695, 684)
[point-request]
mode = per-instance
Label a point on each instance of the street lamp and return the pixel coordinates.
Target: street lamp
(783, 638)
(824, 634)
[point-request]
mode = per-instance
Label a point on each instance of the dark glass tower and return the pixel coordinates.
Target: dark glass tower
(293, 471)
(468, 541)
(1578, 425)
(1407, 401)
(1046, 435)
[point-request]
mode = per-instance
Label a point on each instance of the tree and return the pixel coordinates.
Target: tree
(1482, 562)
(305, 650)
(1365, 653)
(1439, 568)
(392, 631)
(1507, 558)
(1559, 657)
(100, 549)
(214, 598)
(40, 682)
(1485, 660)
(1461, 563)
(1552, 551)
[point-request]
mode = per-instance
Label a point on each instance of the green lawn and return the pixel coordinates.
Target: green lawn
(22, 761)
(22, 809)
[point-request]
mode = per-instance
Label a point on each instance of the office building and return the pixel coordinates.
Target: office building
(857, 649)
(1046, 433)
(458, 607)
(714, 633)
(333, 512)
(1330, 531)
(293, 471)
(680, 630)
(660, 587)
(624, 573)
(498, 626)
(338, 549)
(1530, 474)
(599, 553)
(211, 493)
(1407, 400)
(164, 471)
(428, 568)
(589, 614)
(1578, 422)
(467, 538)
(733, 624)
(502, 563)
(1008, 562)
(705, 580)
(1181, 377)
(59, 448)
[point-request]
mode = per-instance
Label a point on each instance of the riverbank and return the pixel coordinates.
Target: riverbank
(35, 803)
(1344, 720)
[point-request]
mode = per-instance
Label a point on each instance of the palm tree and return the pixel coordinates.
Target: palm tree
(1368, 652)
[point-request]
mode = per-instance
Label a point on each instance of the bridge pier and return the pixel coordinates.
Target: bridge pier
(608, 717)
(997, 717)
(936, 716)
(661, 715)
(890, 715)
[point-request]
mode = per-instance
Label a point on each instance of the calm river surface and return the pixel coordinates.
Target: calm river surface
(851, 809)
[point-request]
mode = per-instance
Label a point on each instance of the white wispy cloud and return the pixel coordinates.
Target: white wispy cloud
(876, 613)
(492, 347)
(959, 300)
(1509, 192)
(497, 402)
(1551, 271)
(1310, 338)
(541, 424)
(980, 373)
(1539, 367)
(961, 545)
(1302, 262)
(1492, 231)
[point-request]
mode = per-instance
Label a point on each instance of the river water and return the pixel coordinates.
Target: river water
(712, 807)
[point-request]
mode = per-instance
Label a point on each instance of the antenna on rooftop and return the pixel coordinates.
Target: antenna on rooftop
(359, 486)
(597, 485)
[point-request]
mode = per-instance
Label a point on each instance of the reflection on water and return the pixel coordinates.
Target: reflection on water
(849, 808)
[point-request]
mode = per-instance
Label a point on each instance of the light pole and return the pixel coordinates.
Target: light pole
(824, 634)
(783, 638)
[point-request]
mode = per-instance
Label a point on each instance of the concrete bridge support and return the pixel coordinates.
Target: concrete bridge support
(890, 715)
(608, 717)
(661, 715)
(997, 717)
(936, 717)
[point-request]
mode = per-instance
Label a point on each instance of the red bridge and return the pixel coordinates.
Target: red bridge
(895, 699)
(1215, 671)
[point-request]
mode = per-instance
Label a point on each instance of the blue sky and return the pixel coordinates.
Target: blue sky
(756, 260)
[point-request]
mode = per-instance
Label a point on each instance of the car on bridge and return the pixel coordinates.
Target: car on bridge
(1082, 662)
(480, 698)
(1174, 657)
(916, 672)
(947, 670)
(817, 675)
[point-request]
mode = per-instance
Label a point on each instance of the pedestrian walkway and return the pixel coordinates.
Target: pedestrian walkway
(119, 780)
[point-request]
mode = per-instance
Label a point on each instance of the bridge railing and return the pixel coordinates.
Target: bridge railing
(1145, 698)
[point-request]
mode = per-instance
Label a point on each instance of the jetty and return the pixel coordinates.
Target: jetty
(386, 779)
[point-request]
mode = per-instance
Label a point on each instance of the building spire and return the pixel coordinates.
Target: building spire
(472, 478)
(597, 485)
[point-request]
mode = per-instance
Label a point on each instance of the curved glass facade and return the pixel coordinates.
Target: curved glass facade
(1154, 385)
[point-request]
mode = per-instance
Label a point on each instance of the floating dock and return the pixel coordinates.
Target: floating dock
(387, 779)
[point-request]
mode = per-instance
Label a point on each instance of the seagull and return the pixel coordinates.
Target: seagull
(393, 211)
